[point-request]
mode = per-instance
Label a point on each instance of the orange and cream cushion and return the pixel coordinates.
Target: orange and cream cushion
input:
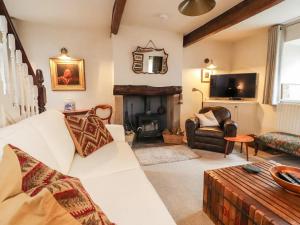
(67, 191)
(89, 133)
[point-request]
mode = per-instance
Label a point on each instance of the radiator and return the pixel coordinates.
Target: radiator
(289, 118)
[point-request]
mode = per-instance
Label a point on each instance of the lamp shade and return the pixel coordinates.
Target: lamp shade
(196, 7)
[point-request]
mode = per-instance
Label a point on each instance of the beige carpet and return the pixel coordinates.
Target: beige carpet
(180, 184)
(164, 154)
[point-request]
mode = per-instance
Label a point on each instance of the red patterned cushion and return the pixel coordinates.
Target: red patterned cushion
(35, 173)
(68, 191)
(89, 133)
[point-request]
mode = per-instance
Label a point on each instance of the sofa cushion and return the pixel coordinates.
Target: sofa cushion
(42, 209)
(88, 133)
(52, 128)
(34, 173)
(23, 135)
(113, 157)
(128, 198)
(72, 196)
(68, 191)
(214, 132)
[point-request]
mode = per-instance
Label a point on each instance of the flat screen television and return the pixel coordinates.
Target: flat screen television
(233, 86)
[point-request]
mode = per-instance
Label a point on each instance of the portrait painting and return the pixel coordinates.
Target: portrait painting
(67, 75)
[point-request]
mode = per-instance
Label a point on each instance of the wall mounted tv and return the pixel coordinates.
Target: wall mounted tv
(233, 86)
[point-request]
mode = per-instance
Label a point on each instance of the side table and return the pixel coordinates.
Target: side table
(242, 139)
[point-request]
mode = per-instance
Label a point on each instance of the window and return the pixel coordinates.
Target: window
(290, 72)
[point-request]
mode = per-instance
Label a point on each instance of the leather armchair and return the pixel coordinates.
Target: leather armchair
(211, 138)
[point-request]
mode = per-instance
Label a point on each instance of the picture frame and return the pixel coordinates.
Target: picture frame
(138, 57)
(67, 75)
(205, 75)
(138, 66)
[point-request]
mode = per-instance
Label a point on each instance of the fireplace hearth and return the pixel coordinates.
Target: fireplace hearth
(146, 110)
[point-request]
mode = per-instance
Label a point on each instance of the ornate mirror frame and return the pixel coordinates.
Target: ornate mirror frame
(138, 60)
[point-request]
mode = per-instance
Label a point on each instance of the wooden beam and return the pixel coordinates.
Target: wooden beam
(117, 15)
(235, 15)
(146, 90)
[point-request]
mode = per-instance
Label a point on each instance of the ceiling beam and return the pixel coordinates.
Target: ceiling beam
(235, 15)
(117, 15)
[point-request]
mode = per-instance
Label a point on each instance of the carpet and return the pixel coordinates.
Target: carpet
(180, 184)
(164, 154)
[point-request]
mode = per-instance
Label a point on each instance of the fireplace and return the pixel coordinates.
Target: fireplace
(146, 110)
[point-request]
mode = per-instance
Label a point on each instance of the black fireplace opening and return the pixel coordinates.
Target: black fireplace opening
(146, 116)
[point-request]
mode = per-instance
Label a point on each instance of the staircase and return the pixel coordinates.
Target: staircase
(22, 93)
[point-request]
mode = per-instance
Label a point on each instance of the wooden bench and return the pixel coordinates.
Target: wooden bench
(284, 142)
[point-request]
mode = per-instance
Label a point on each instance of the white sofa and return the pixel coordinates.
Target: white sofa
(112, 175)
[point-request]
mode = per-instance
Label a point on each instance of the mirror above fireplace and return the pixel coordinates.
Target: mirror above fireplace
(150, 60)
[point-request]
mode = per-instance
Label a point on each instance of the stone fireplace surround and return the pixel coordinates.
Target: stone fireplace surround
(173, 94)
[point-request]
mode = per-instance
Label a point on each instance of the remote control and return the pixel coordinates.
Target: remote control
(251, 169)
(294, 177)
(285, 177)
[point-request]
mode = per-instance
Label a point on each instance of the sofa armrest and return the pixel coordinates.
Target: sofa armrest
(117, 132)
(230, 128)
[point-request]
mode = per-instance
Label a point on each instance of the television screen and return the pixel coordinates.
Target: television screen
(233, 85)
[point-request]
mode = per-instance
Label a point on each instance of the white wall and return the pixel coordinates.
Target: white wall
(94, 46)
(127, 40)
(250, 55)
(193, 60)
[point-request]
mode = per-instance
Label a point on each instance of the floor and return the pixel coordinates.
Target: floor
(180, 184)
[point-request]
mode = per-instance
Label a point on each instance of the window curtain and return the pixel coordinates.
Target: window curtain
(272, 79)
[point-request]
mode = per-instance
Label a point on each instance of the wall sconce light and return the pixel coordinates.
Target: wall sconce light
(210, 64)
(64, 54)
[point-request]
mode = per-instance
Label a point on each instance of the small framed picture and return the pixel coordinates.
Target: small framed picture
(138, 57)
(137, 66)
(67, 75)
(205, 75)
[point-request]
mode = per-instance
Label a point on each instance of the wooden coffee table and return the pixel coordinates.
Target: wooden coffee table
(240, 138)
(234, 196)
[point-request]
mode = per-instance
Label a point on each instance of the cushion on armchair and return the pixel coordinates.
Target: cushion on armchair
(207, 119)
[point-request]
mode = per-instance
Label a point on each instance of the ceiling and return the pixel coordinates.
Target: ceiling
(72, 13)
(97, 13)
(285, 12)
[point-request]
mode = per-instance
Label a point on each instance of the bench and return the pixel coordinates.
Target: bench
(285, 142)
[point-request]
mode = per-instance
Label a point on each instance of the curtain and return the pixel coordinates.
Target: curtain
(272, 79)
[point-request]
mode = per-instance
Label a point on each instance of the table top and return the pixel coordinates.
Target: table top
(240, 138)
(261, 191)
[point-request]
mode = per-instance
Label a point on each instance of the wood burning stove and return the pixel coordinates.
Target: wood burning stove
(149, 125)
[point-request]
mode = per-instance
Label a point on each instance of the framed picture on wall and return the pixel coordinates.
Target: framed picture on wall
(67, 75)
(205, 75)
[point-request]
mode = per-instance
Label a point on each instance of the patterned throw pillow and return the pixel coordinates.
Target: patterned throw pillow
(35, 173)
(68, 191)
(88, 133)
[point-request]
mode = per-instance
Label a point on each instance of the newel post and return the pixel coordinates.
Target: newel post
(42, 99)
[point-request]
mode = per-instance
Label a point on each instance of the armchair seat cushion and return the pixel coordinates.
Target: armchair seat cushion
(214, 132)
